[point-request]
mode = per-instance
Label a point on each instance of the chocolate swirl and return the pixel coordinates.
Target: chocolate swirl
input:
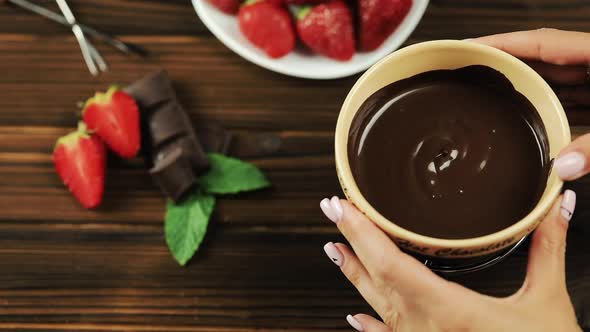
(450, 153)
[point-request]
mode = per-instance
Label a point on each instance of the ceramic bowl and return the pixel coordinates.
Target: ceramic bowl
(451, 54)
(303, 63)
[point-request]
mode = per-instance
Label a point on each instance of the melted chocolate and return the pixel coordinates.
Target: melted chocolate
(450, 153)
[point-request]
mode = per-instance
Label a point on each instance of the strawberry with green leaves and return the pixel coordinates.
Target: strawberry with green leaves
(267, 25)
(379, 19)
(327, 29)
(114, 117)
(80, 161)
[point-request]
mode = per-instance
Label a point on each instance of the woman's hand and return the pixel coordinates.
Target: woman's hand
(410, 297)
(563, 59)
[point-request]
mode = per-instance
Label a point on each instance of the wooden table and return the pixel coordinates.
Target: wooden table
(63, 268)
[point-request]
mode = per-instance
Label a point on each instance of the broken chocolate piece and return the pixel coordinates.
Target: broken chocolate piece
(169, 127)
(153, 89)
(171, 147)
(190, 150)
(174, 175)
(165, 123)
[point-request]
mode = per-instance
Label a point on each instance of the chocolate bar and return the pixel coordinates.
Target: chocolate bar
(172, 149)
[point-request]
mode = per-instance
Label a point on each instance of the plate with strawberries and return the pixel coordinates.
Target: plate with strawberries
(315, 39)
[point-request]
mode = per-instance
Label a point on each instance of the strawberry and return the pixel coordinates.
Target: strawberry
(302, 2)
(268, 26)
(80, 161)
(115, 119)
(327, 29)
(378, 19)
(227, 6)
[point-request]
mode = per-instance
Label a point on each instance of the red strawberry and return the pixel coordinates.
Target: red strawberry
(227, 6)
(80, 161)
(115, 118)
(268, 26)
(378, 19)
(303, 2)
(327, 29)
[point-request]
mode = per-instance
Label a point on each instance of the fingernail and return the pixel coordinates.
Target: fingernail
(327, 209)
(568, 204)
(354, 323)
(337, 208)
(334, 254)
(468, 39)
(570, 165)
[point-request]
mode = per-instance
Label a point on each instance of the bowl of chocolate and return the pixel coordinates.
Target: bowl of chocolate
(447, 146)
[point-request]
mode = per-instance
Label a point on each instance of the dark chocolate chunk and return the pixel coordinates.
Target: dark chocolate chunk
(166, 122)
(190, 150)
(151, 90)
(174, 174)
(171, 147)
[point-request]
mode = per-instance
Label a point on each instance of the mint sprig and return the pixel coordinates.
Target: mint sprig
(186, 223)
(229, 176)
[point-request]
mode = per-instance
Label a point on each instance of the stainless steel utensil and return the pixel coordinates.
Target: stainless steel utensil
(89, 53)
(125, 47)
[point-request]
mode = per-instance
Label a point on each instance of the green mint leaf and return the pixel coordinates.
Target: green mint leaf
(186, 225)
(229, 176)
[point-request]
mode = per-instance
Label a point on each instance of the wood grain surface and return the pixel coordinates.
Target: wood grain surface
(261, 268)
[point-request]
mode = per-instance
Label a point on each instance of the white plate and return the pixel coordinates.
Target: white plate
(301, 63)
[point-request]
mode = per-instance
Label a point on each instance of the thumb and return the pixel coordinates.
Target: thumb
(546, 267)
(573, 161)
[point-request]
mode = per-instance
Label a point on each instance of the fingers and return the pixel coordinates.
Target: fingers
(548, 45)
(546, 267)
(382, 259)
(356, 273)
(366, 323)
(574, 161)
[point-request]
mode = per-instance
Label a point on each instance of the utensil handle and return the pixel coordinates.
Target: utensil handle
(124, 47)
(84, 47)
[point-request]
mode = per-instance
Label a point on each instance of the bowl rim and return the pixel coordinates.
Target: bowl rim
(353, 192)
(403, 33)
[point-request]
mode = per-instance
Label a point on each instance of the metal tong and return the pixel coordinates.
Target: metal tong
(92, 57)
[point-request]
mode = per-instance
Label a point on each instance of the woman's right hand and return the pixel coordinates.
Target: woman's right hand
(563, 59)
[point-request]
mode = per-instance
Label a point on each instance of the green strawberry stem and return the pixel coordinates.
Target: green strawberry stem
(249, 2)
(72, 138)
(101, 98)
(82, 128)
(301, 11)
